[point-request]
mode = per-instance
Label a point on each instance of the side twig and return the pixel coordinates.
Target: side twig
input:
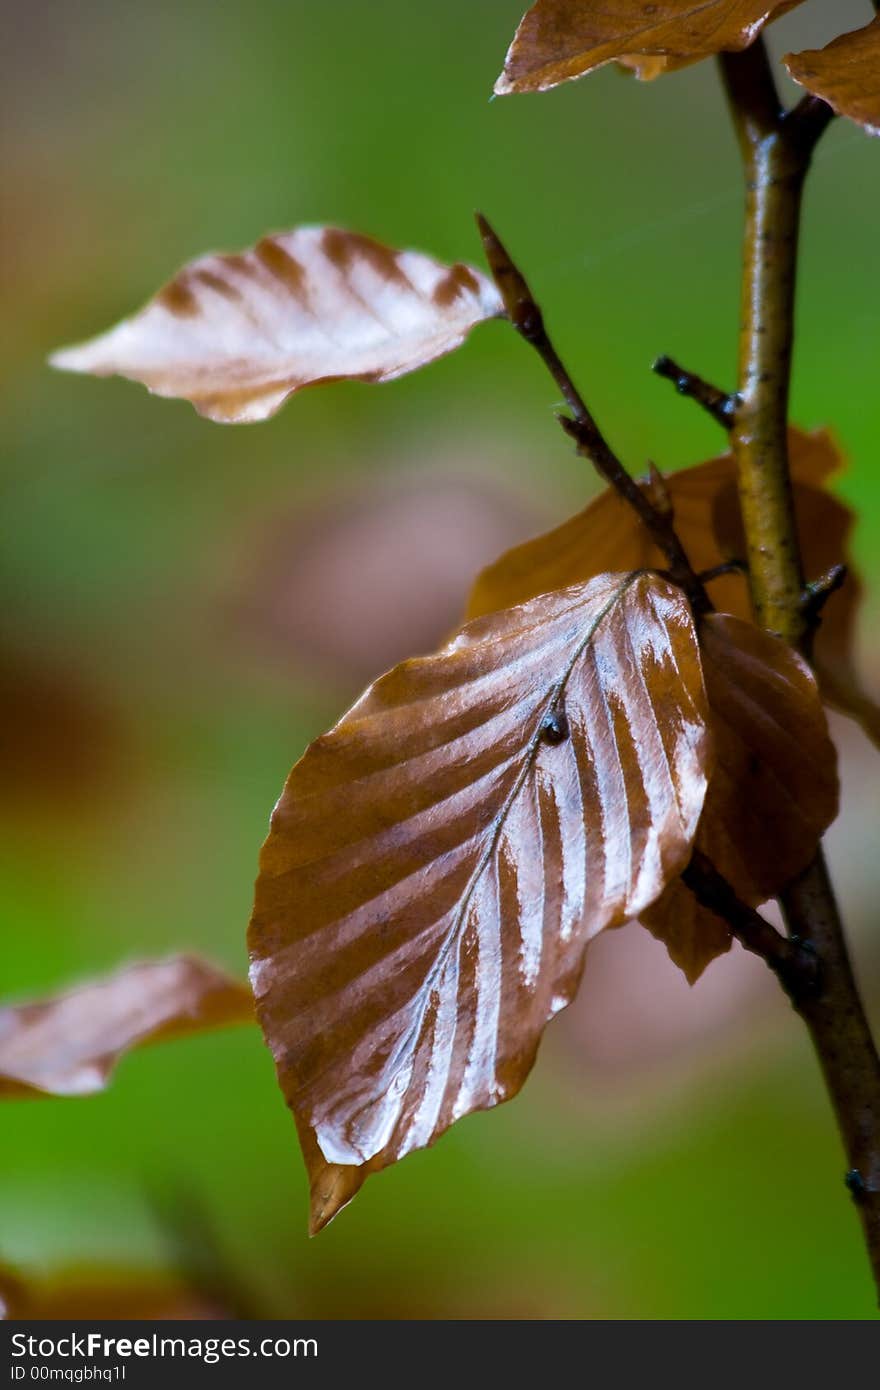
(526, 317)
(719, 404)
(795, 963)
(776, 148)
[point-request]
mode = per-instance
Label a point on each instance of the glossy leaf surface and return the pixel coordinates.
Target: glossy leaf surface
(606, 535)
(558, 40)
(237, 334)
(69, 1045)
(439, 860)
(845, 74)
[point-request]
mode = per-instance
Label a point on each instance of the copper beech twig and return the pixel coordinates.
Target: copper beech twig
(649, 502)
(776, 148)
(794, 962)
(717, 403)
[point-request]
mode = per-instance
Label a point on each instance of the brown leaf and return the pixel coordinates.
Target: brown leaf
(117, 1294)
(439, 860)
(773, 790)
(558, 40)
(237, 335)
(646, 67)
(845, 74)
(69, 1045)
(606, 536)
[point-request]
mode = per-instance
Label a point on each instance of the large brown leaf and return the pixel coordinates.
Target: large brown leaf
(607, 535)
(439, 860)
(236, 335)
(773, 789)
(558, 40)
(69, 1045)
(845, 74)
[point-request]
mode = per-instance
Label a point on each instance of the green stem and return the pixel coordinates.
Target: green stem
(777, 147)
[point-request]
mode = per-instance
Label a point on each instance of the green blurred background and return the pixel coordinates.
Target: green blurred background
(185, 606)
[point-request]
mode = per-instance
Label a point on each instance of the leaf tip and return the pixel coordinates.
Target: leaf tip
(333, 1186)
(65, 359)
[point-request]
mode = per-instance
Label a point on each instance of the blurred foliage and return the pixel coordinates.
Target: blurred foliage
(132, 563)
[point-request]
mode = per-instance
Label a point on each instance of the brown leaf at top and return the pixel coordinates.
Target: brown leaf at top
(773, 790)
(439, 860)
(69, 1045)
(845, 74)
(606, 535)
(648, 66)
(558, 40)
(236, 335)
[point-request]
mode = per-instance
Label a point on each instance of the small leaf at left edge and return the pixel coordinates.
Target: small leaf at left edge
(845, 74)
(237, 334)
(438, 862)
(69, 1044)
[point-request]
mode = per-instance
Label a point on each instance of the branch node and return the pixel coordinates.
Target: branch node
(658, 494)
(856, 1185)
(806, 121)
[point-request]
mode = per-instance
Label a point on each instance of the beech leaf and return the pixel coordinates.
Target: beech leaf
(438, 862)
(559, 40)
(606, 535)
(68, 1045)
(773, 790)
(237, 334)
(845, 74)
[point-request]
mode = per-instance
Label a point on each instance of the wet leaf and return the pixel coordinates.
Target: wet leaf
(606, 535)
(558, 40)
(439, 860)
(773, 790)
(844, 74)
(68, 1045)
(236, 335)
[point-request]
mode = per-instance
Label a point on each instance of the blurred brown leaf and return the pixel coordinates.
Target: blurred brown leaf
(81, 1295)
(844, 74)
(773, 790)
(61, 742)
(439, 860)
(237, 334)
(69, 1045)
(373, 570)
(558, 40)
(607, 535)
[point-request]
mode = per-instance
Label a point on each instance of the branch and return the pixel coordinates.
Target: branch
(776, 149)
(526, 317)
(795, 963)
(719, 404)
(818, 591)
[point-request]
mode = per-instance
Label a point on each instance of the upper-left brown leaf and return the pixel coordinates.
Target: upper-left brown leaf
(236, 335)
(439, 860)
(69, 1045)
